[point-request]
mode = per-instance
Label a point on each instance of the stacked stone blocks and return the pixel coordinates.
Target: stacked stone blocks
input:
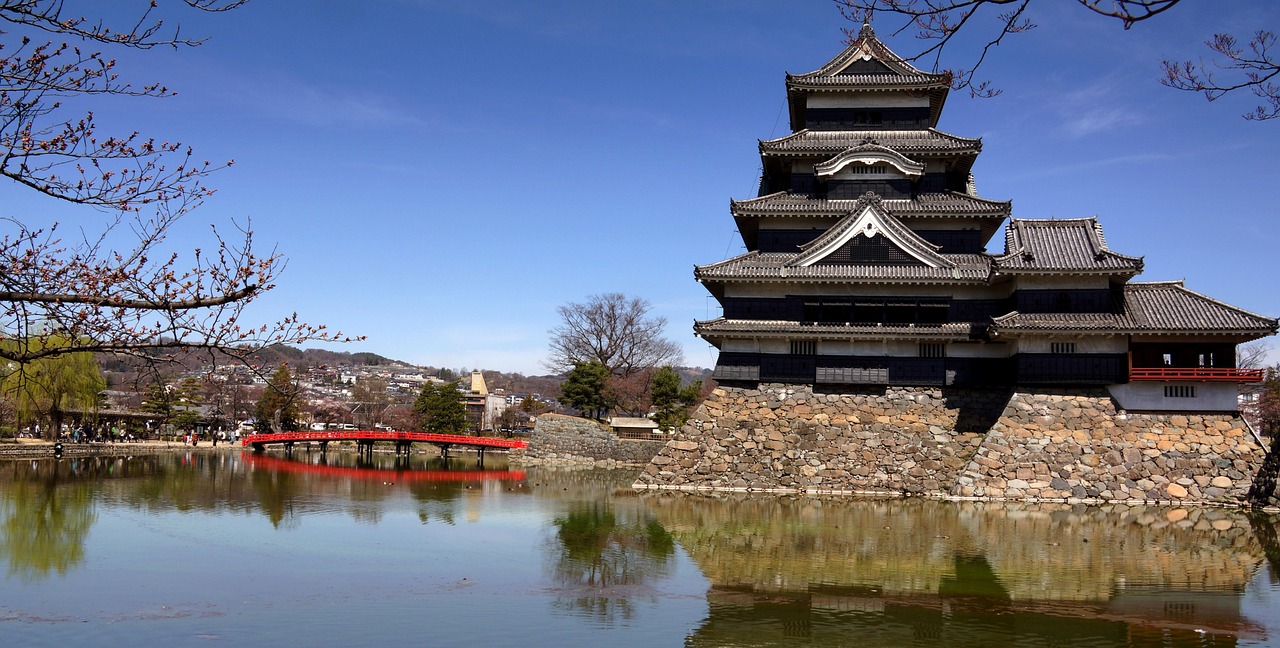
(1063, 445)
(568, 440)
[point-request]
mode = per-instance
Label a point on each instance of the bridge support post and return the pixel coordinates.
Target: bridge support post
(288, 447)
(324, 447)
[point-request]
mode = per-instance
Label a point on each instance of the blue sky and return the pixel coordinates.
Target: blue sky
(442, 175)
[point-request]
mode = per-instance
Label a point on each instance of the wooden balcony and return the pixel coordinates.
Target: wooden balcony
(1196, 374)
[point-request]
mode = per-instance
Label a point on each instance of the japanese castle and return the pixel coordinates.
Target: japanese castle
(866, 265)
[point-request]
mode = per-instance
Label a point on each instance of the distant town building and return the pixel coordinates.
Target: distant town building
(483, 407)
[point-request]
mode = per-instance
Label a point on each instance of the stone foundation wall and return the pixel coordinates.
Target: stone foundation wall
(1056, 446)
(558, 439)
(1070, 445)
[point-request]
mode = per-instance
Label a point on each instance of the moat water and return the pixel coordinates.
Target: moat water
(235, 549)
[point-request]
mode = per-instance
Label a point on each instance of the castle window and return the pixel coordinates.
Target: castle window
(804, 347)
(1062, 347)
(870, 169)
(933, 350)
(1179, 391)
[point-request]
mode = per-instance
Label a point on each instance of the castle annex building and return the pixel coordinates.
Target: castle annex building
(867, 266)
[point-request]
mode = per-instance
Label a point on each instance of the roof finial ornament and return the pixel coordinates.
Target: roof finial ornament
(866, 31)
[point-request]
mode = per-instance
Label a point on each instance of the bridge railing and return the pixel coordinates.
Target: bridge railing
(378, 435)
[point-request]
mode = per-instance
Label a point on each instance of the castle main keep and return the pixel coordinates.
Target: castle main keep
(870, 342)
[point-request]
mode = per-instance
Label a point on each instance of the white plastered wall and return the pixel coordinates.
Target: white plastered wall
(1084, 343)
(978, 350)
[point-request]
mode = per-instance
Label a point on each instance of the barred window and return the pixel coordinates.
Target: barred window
(1062, 347)
(1179, 391)
(933, 350)
(804, 347)
(870, 169)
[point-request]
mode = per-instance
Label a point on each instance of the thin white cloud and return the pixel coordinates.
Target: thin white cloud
(326, 106)
(1091, 163)
(1098, 119)
(1095, 109)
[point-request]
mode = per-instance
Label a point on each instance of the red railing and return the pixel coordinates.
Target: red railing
(1196, 374)
(369, 435)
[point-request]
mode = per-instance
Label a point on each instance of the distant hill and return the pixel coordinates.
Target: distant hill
(514, 382)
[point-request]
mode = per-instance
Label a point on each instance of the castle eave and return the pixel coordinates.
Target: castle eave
(722, 328)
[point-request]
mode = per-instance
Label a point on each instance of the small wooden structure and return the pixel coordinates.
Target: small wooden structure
(635, 428)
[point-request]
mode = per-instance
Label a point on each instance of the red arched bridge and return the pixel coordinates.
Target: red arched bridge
(366, 438)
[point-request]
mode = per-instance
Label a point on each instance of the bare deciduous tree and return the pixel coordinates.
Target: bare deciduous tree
(1252, 355)
(1229, 68)
(81, 283)
(614, 330)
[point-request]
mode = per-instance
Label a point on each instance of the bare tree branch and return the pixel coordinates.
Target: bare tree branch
(89, 291)
(1252, 355)
(1253, 68)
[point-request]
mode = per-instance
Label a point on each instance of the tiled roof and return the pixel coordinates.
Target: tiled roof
(899, 72)
(766, 266)
(847, 72)
(934, 204)
(722, 326)
(867, 81)
(929, 140)
(1150, 307)
(1071, 245)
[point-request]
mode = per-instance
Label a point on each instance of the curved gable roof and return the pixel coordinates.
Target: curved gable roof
(869, 153)
(866, 47)
(868, 218)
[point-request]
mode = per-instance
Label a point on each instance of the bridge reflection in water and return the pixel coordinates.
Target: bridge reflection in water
(820, 572)
(400, 473)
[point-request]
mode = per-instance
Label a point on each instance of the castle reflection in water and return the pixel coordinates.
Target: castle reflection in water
(913, 572)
